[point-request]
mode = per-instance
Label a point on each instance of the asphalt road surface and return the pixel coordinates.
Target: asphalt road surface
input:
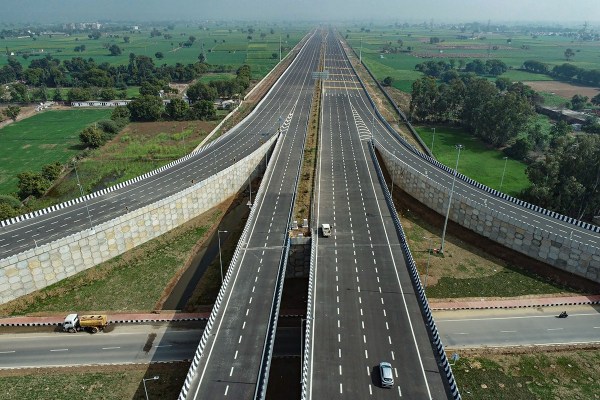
(231, 361)
(365, 309)
(120, 344)
(519, 327)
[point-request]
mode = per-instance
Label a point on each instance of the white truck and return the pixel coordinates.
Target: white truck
(326, 230)
(90, 323)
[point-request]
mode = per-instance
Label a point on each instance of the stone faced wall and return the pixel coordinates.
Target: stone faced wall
(44, 265)
(558, 251)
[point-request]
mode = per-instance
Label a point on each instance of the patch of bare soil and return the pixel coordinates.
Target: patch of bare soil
(562, 89)
(170, 127)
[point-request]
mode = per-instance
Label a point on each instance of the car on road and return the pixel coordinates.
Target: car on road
(326, 230)
(386, 375)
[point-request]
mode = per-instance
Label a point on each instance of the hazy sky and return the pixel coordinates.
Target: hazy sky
(329, 10)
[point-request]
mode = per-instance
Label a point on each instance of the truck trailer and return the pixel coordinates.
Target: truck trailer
(90, 323)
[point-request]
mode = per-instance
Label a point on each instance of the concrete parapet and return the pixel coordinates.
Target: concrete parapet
(41, 266)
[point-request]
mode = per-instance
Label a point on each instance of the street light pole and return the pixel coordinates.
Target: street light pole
(84, 199)
(360, 52)
(503, 172)
(154, 378)
(459, 147)
(428, 257)
(220, 259)
(432, 141)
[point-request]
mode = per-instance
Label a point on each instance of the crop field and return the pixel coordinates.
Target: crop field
(512, 48)
(222, 45)
(42, 139)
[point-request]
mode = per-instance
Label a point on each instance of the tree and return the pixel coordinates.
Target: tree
(115, 50)
(502, 83)
(578, 102)
(12, 112)
(31, 184)
(201, 58)
(569, 53)
(177, 109)
(200, 91)
(108, 94)
(519, 149)
(91, 137)
(120, 112)
(146, 108)
(596, 100)
(159, 55)
(52, 171)
(203, 109)
(95, 35)
(126, 39)
(57, 96)
(387, 81)
(78, 94)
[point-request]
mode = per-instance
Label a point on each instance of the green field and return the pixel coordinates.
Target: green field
(45, 138)
(222, 45)
(477, 161)
(512, 47)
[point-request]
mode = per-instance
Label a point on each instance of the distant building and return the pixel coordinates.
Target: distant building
(109, 103)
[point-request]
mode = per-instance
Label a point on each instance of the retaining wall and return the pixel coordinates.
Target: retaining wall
(47, 264)
(549, 247)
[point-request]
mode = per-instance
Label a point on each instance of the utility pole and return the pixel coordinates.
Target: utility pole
(459, 147)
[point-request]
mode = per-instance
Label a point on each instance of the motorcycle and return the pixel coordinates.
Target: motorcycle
(563, 315)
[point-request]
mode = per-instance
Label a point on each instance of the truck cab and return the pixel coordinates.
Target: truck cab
(71, 323)
(326, 230)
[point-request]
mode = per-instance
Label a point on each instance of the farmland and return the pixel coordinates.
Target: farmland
(42, 139)
(511, 47)
(228, 45)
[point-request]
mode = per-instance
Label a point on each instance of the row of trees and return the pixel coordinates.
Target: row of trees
(446, 70)
(81, 72)
(567, 180)
(565, 72)
(494, 115)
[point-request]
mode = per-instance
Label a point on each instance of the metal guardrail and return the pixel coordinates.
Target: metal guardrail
(416, 280)
(309, 312)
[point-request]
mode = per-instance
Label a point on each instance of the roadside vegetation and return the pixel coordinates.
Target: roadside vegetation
(94, 382)
(542, 374)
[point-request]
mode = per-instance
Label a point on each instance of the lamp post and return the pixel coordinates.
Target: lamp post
(154, 378)
(360, 52)
(503, 172)
(432, 141)
(87, 208)
(220, 259)
(428, 257)
(249, 204)
(459, 147)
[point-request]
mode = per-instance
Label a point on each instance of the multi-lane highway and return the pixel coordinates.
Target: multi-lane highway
(520, 327)
(239, 142)
(120, 344)
(365, 309)
(231, 360)
(44, 347)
